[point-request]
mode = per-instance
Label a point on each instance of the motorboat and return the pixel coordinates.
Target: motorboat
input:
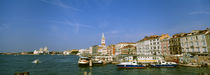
(130, 65)
(164, 64)
(36, 61)
(97, 61)
(83, 61)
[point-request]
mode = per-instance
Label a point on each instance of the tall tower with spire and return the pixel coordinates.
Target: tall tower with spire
(103, 40)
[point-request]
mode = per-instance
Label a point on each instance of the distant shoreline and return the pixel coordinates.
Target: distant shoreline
(31, 53)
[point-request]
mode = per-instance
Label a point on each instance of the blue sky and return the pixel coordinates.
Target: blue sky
(26, 25)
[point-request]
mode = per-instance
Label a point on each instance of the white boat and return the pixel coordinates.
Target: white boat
(97, 61)
(83, 61)
(36, 61)
(130, 65)
(164, 64)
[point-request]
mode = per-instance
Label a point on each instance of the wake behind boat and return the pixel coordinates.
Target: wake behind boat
(130, 65)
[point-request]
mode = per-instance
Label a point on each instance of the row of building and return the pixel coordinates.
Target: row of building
(42, 51)
(195, 42)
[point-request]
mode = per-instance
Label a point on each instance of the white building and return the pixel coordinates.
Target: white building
(67, 52)
(143, 47)
(194, 42)
(90, 50)
(41, 51)
(150, 45)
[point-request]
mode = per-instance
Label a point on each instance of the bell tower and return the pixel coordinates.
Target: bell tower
(103, 40)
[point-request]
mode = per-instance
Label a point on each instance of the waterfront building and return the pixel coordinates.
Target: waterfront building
(155, 45)
(46, 49)
(41, 51)
(175, 46)
(143, 46)
(95, 50)
(208, 41)
(164, 41)
(121, 45)
(90, 50)
(128, 50)
(149, 45)
(67, 52)
(111, 50)
(84, 52)
(195, 42)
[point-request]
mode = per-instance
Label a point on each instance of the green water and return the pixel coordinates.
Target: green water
(67, 65)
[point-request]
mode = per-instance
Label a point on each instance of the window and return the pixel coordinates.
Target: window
(204, 43)
(187, 44)
(191, 37)
(197, 43)
(196, 37)
(192, 49)
(198, 49)
(203, 37)
(204, 50)
(191, 43)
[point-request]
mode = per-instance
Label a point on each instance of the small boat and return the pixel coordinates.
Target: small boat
(36, 61)
(83, 61)
(97, 61)
(130, 65)
(164, 64)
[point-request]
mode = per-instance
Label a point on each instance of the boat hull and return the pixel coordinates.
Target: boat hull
(130, 66)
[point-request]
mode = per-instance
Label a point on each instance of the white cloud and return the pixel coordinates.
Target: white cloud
(60, 4)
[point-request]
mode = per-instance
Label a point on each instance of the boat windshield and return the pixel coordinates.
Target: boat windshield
(84, 58)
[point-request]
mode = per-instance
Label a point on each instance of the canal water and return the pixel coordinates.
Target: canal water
(67, 65)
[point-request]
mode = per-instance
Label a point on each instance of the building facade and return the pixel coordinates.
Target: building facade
(128, 50)
(111, 50)
(208, 41)
(150, 45)
(175, 46)
(41, 51)
(121, 45)
(143, 47)
(195, 42)
(95, 50)
(164, 41)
